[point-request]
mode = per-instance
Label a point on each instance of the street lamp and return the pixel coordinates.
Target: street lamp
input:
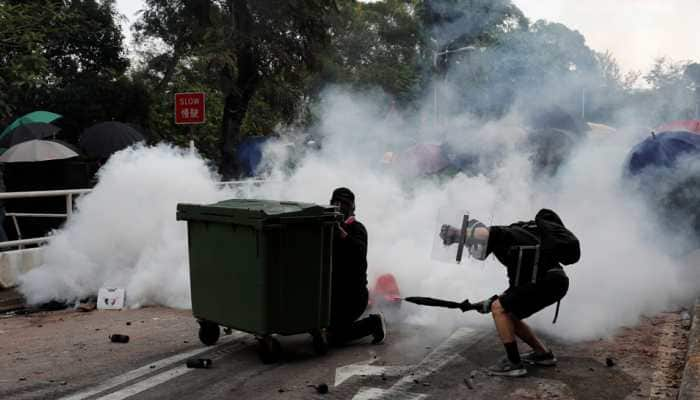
(437, 54)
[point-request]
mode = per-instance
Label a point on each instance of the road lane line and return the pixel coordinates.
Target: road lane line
(146, 384)
(374, 393)
(150, 368)
(346, 372)
(438, 358)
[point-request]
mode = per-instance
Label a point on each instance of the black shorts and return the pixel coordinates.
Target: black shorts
(524, 300)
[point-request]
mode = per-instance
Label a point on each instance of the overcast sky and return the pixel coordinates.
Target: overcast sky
(635, 31)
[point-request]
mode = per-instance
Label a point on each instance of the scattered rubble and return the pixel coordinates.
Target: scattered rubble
(322, 388)
(686, 320)
(468, 382)
(117, 338)
(202, 363)
(87, 304)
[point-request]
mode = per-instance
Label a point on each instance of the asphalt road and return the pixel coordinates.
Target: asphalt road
(67, 354)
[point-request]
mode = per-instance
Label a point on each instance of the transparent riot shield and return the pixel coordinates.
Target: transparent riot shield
(450, 235)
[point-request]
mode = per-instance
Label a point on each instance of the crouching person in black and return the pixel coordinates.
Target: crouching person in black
(349, 293)
(531, 252)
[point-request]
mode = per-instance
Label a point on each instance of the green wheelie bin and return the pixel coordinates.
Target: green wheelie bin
(262, 267)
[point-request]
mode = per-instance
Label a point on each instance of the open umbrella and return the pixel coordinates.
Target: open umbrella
(600, 129)
(422, 159)
(37, 150)
(22, 133)
(662, 150)
(549, 148)
(32, 117)
(105, 138)
(555, 118)
(691, 125)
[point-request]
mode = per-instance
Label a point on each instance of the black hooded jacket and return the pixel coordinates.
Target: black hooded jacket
(350, 263)
(505, 241)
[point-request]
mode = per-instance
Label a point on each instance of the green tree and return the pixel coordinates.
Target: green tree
(377, 45)
(261, 53)
(67, 57)
(672, 93)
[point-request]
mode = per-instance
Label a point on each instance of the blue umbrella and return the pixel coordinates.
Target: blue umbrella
(662, 150)
(250, 153)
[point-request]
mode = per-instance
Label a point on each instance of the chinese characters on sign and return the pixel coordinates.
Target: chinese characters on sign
(190, 108)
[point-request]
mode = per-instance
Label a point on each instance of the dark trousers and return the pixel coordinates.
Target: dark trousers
(345, 311)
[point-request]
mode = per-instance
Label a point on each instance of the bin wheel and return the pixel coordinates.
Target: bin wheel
(269, 349)
(320, 342)
(208, 332)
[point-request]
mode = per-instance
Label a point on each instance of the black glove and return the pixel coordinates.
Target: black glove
(449, 235)
(484, 307)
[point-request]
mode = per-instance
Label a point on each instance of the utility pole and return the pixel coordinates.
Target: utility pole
(437, 54)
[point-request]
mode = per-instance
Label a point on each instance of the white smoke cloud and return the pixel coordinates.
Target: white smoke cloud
(627, 269)
(124, 233)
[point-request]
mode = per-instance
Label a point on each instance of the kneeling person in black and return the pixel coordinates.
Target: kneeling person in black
(536, 280)
(349, 294)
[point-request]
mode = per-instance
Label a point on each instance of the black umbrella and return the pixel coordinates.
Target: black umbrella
(432, 302)
(105, 138)
(25, 132)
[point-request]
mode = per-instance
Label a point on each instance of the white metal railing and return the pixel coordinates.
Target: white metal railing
(69, 195)
(20, 242)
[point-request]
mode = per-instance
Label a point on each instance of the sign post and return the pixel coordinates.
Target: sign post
(190, 109)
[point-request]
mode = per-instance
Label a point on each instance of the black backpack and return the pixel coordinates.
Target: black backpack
(556, 243)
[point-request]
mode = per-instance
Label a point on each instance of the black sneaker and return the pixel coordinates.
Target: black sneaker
(379, 333)
(544, 359)
(507, 368)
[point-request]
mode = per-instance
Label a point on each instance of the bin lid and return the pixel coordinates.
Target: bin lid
(253, 210)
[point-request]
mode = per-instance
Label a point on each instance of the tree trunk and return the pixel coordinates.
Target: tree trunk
(238, 98)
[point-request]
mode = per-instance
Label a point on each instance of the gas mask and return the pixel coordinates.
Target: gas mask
(471, 235)
(344, 199)
(345, 208)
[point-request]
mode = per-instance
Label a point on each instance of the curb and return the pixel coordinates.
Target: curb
(690, 384)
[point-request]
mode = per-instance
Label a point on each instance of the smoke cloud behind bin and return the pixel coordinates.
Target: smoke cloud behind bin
(124, 233)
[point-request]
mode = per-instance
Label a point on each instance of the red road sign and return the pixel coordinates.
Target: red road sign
(190, 108)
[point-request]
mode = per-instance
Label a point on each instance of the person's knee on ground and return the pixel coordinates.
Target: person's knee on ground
(371, 326)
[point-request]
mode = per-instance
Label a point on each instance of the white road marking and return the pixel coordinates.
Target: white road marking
(146, 384)
(147, 369)
(346, 372)
(438, 358)
(374, 393)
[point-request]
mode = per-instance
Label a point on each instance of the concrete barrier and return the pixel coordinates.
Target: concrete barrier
(690, 386)
(16, 262)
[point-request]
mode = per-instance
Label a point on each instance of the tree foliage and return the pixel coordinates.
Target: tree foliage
(67, 57)
(263, 64)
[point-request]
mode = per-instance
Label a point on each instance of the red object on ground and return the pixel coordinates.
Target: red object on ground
(386, 290)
